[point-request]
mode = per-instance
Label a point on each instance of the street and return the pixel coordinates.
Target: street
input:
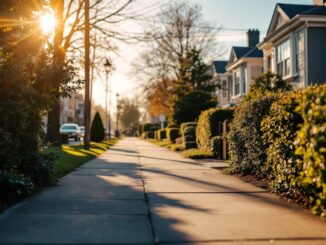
(140, 193)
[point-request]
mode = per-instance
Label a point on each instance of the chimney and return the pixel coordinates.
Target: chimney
(320, 2)
(253, 37)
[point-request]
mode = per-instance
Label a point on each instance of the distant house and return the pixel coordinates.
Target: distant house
(295, 44)
(245, 63)
(221, 76)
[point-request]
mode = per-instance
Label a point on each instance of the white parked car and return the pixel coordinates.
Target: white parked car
(70, 129)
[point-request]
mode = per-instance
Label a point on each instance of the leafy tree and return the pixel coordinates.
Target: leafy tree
(25, 64)
(129, 115)
(267, 83)
(97, 129)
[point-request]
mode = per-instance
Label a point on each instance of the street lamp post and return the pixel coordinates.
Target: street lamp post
(107, 67)
(117, 128)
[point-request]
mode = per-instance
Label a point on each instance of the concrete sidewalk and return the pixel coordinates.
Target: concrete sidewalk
(138, 193)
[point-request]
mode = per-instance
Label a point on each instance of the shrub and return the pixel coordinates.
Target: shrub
(162, 134)
(265, 84)
(246, 148)
(172, 134)
(311, 147)
(13, 185)
(149, 135)
(187, 124)
(189, 137)
(208, 126)
(196, 154)
(97, 129)
(176, 147)
(173, 126)
(279, 130)
(217, 146)
(146, 127)
(189, 145)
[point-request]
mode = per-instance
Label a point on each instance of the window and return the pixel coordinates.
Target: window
(283, 58)
(244, 79)
(224, 89)
(296, 43)
(237, 82)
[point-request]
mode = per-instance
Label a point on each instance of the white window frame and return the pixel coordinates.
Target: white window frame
(283, 58)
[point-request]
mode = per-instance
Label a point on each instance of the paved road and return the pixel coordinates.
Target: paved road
(137, 193)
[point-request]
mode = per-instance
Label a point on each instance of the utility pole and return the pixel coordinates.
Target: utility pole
(87, 78)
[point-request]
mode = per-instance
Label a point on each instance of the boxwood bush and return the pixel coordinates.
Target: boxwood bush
(189, 137)
(208, 126)
(172, 134)
(246, 147)
(187, 124)
(162, 134)
(311, 147)
(217, 146)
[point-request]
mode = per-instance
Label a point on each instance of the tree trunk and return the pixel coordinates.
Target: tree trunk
(53, 134)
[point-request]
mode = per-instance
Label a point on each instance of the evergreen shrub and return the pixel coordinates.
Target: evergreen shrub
(279, 130)
(172, 134)
(217, 146)
(311, 147)
(162, 134)
(187, 124)
(208, 124)
(246, 147)
(97, 129)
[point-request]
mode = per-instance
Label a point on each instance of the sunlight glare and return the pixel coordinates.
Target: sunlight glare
(47, 23)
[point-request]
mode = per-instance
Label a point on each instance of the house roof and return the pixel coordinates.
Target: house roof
(247, 52)
(220, 65)
(291, 10)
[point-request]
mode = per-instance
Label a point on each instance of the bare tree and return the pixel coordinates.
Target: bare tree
(178, 32)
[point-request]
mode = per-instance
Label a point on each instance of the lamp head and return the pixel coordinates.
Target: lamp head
(107, 65)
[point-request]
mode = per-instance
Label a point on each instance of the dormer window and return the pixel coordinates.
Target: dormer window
(283, 58)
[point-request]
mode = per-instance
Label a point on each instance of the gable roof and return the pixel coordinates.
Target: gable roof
(289, 11)
(220, 65)
(244, 52)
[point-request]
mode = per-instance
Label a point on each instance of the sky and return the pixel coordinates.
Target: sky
(235, 17)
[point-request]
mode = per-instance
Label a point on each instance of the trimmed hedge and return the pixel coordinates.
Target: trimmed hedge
(311, 147)
(246, 147)
(161, 134)
(189, 137)
(208, 126)
(279, 130)
(172, 134)
(217, 146)
(187, 124)
(282, 137)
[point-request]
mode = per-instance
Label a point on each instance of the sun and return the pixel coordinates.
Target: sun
(48, 23)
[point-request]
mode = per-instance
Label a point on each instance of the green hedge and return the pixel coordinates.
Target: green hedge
(172, 134)
(189, 137)
(162, 134)
(217, 146)
(246, 147)
(208, 126)
(282, 137)
(279, 130)
(187, 124)
(311, 147)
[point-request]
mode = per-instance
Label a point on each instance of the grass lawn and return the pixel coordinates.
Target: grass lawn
(72, 156)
